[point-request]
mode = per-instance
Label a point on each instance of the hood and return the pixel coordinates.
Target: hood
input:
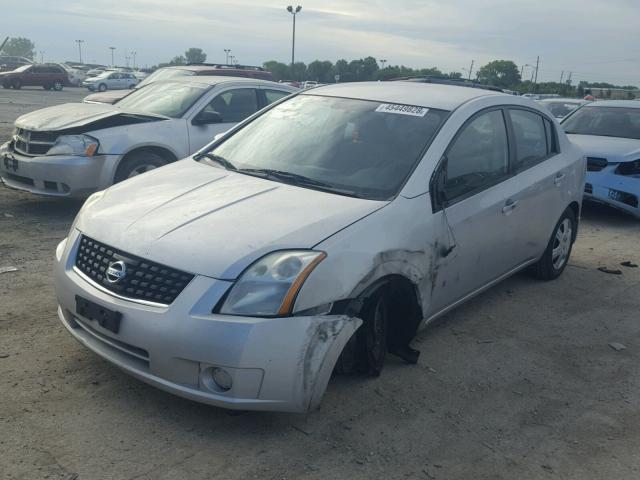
(210, 221)
(614, 149)
(108, 97)
(74, 115)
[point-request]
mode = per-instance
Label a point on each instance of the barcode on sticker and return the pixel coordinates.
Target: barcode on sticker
(402, 109)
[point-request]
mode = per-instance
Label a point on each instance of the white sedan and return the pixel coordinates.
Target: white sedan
(77, 148)
(110, 80)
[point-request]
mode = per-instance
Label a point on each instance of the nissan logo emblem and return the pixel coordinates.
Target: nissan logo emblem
(116, 271)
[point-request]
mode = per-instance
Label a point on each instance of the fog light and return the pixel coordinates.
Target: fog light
(222, 379)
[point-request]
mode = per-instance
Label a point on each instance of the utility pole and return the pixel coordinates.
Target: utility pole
(561, 76)
(471, 68)
(227, 51)
(293, 12)
(569, 78)
(80, 42)
(535, 82)
(112, 61)
(41, 56)
(134, 59)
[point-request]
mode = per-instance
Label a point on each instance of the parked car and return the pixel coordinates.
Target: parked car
(309, 84)
(609, 133)
(11, 62)
(47, 75)
(561, 107)
(110, 80)
(167, 73)
(78, 148)
(94, 72)
(76, 75)
(326, 228)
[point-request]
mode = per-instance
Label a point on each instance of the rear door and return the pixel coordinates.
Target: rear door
(541, 169)
(232, 105)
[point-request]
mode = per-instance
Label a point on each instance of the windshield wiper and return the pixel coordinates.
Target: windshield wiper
(217, 159)
(297, 179)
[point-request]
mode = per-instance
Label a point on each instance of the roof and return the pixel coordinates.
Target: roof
(615, 103)
(215, 80)
(431, 95)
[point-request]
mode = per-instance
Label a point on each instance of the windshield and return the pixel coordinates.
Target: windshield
(167, 98)
(165, 74)
(561, 109)
(351, 147)
(23, 68)
(623, 122)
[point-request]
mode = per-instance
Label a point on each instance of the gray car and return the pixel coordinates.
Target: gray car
(319, 233)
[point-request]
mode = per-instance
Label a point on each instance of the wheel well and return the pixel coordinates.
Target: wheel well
(405, 312)
(576, 211)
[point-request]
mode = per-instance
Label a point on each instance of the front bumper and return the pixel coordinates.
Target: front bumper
(59, 176)
(279, 364)
(599, 184)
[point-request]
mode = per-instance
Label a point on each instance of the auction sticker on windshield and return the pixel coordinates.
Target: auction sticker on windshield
(402, 109)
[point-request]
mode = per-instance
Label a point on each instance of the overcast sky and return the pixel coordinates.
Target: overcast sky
(595, 39)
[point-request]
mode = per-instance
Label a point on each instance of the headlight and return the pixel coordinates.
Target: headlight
(88, 202)
(82, 145)
(270, 286)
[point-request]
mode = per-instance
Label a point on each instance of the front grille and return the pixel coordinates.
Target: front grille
(595, 164)
(588, 188)
(32, 143)
(144, 280)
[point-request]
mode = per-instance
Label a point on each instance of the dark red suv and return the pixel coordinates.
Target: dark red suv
(48, 76)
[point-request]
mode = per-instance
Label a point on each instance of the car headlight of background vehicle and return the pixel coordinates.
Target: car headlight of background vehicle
(269, 286)
(82, 145)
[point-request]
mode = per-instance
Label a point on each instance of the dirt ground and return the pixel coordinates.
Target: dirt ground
(520, 383)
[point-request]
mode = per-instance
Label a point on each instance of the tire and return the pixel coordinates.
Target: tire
(16, 84)
(138, 163)
(102, 87)
(556, 256)
(6, 85)
(366, 351)
(57, 85)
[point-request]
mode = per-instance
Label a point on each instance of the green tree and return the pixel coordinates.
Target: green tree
(501, 73)
(298, 71)
(178, 60)
(279, 70)
(20, 47)
(320, 71)
(195, 55)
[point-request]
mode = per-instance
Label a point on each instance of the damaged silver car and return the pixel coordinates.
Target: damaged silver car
(318, 235)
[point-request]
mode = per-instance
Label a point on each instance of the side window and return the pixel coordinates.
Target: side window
(479, 155)
(530, 138)
(235, 105)
(274, 95)
(552, 138)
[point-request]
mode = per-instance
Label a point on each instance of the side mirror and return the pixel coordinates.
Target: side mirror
(207, 117)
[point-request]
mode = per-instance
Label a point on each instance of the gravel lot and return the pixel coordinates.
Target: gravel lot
(520, 383)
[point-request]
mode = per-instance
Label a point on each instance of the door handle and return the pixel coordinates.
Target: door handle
(509, 206)
(558, 179)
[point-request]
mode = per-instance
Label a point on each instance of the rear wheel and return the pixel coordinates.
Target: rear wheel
(16, 84)
(6, 85)
(556, 256)
(138, 163)
(57, 85)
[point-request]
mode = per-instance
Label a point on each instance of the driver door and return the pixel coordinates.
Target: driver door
(232, 106)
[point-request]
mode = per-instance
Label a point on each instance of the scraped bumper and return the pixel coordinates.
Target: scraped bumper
(275, 364)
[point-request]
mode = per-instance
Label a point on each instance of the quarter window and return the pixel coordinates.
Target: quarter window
(530, 137)
(478, 157)
(274, 95)
(235, 105)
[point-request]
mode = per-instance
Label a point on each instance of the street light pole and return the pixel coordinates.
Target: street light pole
(41, 56)
(471, 68)
(134, 59)
(227, 51)
(80, 42)
(293, 12)
(112, 61)
(383, 61)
